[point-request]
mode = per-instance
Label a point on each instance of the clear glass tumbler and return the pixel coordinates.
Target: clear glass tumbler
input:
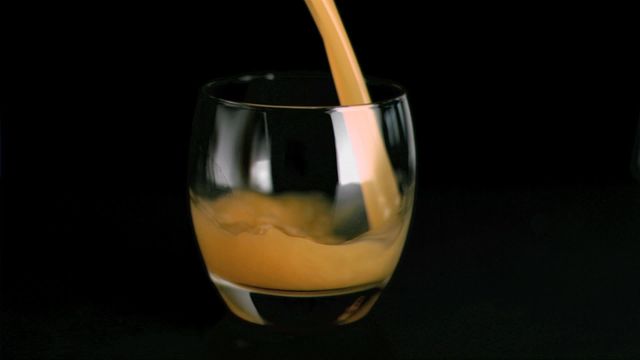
(301, 207)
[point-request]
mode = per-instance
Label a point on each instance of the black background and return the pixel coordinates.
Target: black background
(525, 235)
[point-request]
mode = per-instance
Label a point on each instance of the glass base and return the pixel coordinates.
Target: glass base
(298, 310)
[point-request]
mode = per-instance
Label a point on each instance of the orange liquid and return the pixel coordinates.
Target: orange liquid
(285, 242)
(378, 182)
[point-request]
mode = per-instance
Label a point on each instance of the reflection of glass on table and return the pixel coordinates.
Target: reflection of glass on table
(231, 338)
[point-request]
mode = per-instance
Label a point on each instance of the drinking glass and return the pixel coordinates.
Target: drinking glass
(298, 222)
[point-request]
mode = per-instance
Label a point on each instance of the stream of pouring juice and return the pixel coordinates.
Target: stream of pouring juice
(379, 186)
(284, 245)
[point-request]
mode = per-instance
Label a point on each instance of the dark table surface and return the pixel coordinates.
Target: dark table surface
(486, 272)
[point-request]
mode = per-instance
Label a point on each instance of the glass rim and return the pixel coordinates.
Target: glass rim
(270, 75)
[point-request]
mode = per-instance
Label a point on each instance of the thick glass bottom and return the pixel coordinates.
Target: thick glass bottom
(298, 309)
